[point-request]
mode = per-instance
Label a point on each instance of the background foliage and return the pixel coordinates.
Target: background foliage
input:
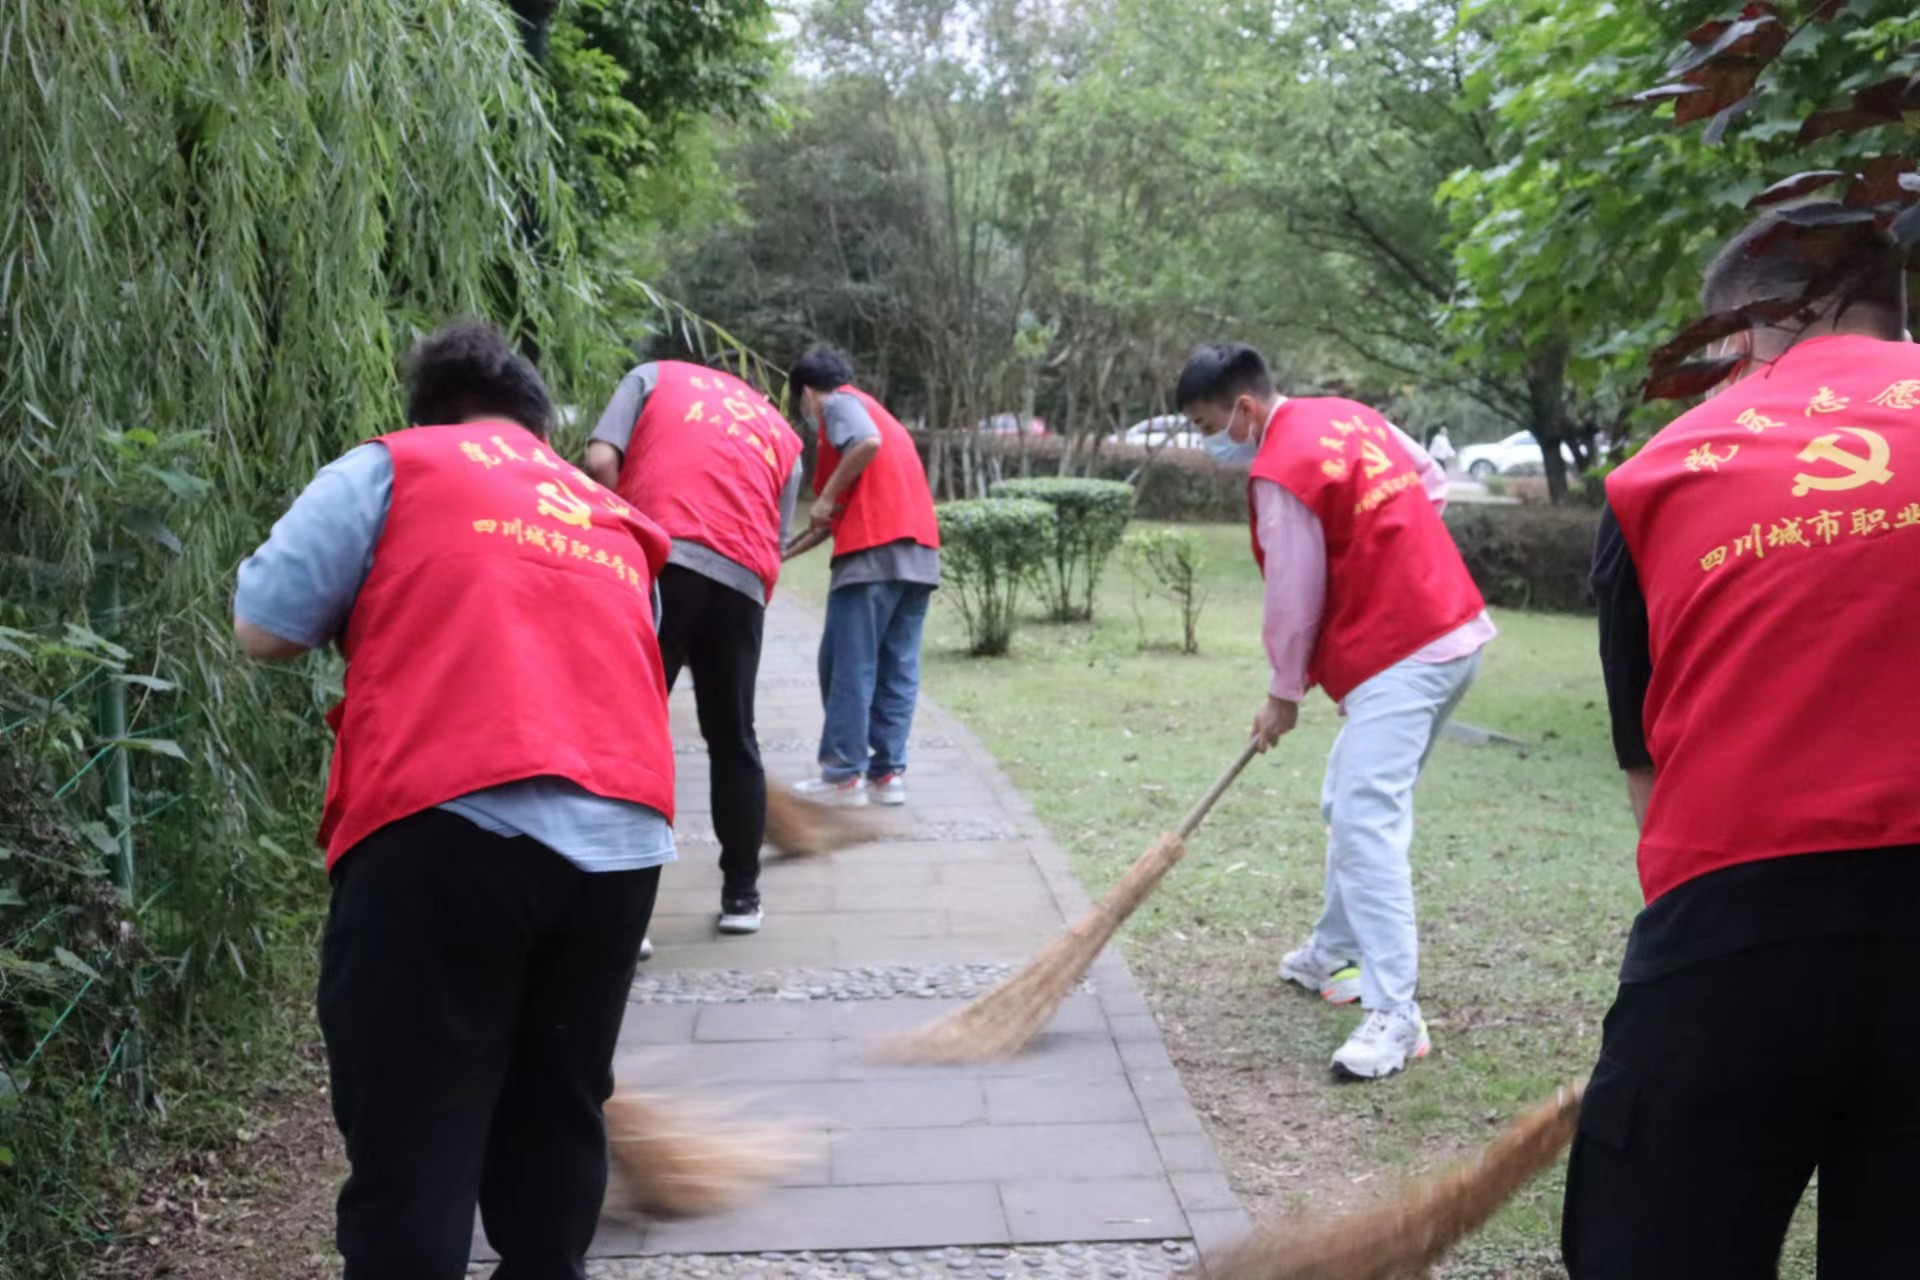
(226, 222)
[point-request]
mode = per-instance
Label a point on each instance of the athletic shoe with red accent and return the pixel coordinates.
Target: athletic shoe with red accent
(1384, 1043)
(849, 793)
(1335, 979)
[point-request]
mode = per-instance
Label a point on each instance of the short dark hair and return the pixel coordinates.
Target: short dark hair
(821, 367)
(468, 370)
(1844, 264)
(1220, 373)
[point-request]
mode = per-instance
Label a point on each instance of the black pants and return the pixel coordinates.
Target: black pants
(1721, 1089)
(471, 991)
(714, 631)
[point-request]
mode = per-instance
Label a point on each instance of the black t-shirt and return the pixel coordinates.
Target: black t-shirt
(1801, 898)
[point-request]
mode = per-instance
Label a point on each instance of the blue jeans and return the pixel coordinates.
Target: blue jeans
(870, 677)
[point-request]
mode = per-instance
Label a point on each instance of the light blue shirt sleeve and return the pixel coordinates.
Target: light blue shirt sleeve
(301, 583)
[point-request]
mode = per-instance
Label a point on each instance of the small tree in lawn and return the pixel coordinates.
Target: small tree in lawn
(1168, 563)
(1092, 515)
(988, 548)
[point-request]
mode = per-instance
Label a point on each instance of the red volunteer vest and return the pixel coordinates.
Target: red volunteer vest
(466, 650)
(890, 501)
(707, 461)
(1776, 532)
(1395, 580)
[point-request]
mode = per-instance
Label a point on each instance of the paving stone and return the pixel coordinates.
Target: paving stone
(1171, 1116)
(1198, 1192)
(1069, 1057)
(1092, 1209)
(1187, 1153)
(1134, 1026)
(657, 1024)
(722, 1064)
(1215, 1231)
(1145, 1056)
(988, 920)
(1057, 1101)
(951, 949)
(996, 1151)
(683, 942)
(883, 1104)
(844, 1216)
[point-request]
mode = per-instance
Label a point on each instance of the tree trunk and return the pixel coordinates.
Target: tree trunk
(1547, 406)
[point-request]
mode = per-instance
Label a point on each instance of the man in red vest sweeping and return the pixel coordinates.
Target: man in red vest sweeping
(872, 499)
(496, 816)
(704, 456)
(1367, 597)
(1758, 579)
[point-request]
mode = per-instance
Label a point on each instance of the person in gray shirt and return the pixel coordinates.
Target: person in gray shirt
(874, 503)
(479, 952)
(709, 460)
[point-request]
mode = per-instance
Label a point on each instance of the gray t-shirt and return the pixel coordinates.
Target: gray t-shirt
(847, 422)
(616, 428)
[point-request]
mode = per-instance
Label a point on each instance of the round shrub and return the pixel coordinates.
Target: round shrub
(988, 547)
(1092, 514)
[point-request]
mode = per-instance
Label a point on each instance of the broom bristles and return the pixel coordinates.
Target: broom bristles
(680, 1160)
(802, 828)
(1411, 1230)
(1001, 1022)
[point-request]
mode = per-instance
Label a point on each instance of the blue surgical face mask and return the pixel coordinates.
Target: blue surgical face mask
(1225, 450)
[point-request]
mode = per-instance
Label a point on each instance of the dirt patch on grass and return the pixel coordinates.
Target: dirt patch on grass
(259, 1205)
(1287, 1142)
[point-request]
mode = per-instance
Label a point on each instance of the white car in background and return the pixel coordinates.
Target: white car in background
(1168, 430)
(1518, 454)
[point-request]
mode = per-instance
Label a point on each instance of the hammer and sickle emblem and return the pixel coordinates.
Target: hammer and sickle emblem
(1373, 458)
(1870, 469)
(563, 504)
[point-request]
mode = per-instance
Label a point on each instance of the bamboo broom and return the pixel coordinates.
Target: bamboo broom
(801, 828)
(1407, 1233)
(678, 1160)
(1001, 1022)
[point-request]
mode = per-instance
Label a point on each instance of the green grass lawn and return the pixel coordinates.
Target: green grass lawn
(1523, 866)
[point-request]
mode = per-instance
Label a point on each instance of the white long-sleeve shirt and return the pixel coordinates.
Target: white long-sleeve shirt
(1296, 580)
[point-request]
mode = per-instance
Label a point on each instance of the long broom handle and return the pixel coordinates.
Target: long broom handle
(1198, 814)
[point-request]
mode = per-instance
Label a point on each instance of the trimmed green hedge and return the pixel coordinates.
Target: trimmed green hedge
(988, 547)
(1527, 557)
(1090, 517)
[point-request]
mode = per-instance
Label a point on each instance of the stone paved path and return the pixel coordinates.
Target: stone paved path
(1088, 1137)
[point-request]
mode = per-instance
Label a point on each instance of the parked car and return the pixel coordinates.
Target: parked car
(1007, 424)
(1518, 454)
(1168, 430)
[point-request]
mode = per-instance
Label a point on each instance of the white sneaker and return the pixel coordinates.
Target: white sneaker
(890, 789)
(1383, 1044)
(646, 948)
(741, 915)
(851, 794)
(1334, 979)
